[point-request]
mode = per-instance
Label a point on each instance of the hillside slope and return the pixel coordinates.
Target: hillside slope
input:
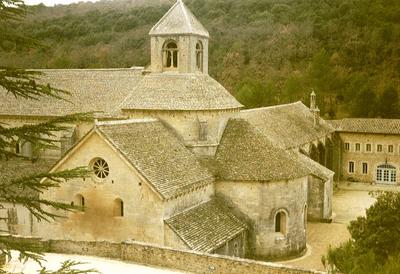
(264, 51)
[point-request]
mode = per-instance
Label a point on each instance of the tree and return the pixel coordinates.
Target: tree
(23, 84)
(389, 103)
(364, 103)
(253, 94)
(374, 246)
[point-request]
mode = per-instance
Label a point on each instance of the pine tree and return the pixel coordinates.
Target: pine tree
(24, 84)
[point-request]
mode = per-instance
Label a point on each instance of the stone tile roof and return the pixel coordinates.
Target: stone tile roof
(246, 154)
(16, 168)
(289, 126)
(179, 20)
(367, 125)
(92, 90)
(314, 167)
(158, 155)
(206, 227)
(176, 91)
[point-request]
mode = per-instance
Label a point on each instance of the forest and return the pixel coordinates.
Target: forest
(264, 52)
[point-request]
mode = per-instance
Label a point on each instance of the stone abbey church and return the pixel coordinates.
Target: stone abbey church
(177, 162)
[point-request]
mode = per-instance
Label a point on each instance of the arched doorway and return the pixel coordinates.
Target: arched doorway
(386, 174)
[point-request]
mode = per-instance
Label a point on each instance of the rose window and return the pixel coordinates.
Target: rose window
(100, 168)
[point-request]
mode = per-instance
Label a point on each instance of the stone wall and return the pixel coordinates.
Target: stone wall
(372, 158)
(186, 52)
(186, 124)
(148, 254)
(143, 209)
(319, 199)
(257, 203)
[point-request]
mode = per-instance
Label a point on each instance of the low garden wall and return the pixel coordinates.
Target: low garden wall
(148, 254)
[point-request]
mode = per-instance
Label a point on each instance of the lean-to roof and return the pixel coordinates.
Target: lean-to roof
(206, 227)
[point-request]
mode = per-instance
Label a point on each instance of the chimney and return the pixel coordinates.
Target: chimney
(313, 103)
(316, 116)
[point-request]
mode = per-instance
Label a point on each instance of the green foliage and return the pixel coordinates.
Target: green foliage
(375, 240)
(25, 190)
(67, 267)
(254, 94)
(296, 46)
(389, 103)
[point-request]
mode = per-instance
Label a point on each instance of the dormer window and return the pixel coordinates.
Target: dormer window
(199, 56)
(170, 55)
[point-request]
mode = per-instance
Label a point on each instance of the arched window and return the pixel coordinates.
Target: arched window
(170, 55)
(281, 222)
(386, 174)
(79, 200)
(199, 56)
(118, 208)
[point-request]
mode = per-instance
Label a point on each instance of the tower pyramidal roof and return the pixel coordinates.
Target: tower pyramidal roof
(179, 20)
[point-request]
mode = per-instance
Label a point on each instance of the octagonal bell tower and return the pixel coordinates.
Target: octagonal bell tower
(179, 42)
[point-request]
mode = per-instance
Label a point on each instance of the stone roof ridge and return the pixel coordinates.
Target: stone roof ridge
(133, 68)
(272, 107)
(179, 20)
(127, 121)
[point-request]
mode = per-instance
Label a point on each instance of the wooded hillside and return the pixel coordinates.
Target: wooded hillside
(263, 51)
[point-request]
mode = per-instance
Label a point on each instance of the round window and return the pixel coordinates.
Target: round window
(100, 168)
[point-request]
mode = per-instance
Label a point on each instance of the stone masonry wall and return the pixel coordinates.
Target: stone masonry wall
(167, 257)
(372, 158)
(257, 204)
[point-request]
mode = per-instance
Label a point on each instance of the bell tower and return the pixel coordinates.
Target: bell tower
(179, 42)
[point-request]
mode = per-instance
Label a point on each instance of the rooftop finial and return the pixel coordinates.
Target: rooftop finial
(313, 101)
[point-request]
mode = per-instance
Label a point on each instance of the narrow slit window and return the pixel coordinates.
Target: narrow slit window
(118, 208)
(203, 128)
(280, 222)
(199, 56)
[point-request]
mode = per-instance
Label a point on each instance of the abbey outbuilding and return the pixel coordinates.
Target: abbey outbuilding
(175, 159)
